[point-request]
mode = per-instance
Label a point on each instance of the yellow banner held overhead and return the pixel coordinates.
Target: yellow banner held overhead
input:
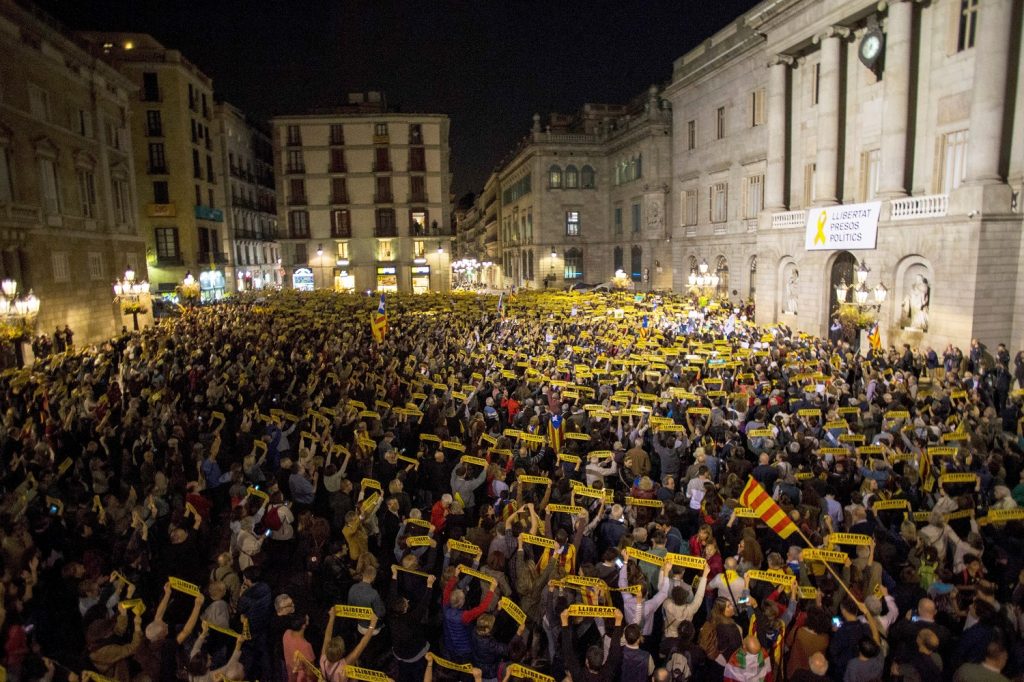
(534, 480)
(224, 631)
(883, 505)
(1002, 516)
(687, 561)
(476, 461)
(587, 611)
(520, 670)
(584, 581)
(808, 592)
(464, 547)
(430, 437)
(745, 513)
(538, 540)
(370, 483)
(646, 557)
(479, 575)
(943, 451)
(490, 440)
(850, 539)
(353, 672)
(783, 579)
(760, 433)
(565, 509)
(961, 477)
(353, 612)
(641, 502)
(571, 459)
(852, 438)
(409, 460)
(849, 410)
(370, 502)
(184, 586)
(828, 555)
(457, 667)
(835, 452)
(403, 569)
(512, 609)
(453, 445)
(418, 540)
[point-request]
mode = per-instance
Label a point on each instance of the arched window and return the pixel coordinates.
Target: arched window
(574, 264)
(587, 180)
(555, 177)
(618, 259)
(722, 270)
(572, 177)
(636, 257)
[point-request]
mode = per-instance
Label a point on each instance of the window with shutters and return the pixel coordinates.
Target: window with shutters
(338, 161)
(49, 186)
(757, 107)
(691, 134)
(870, 162)
(166, 243)
(298, 224)
(720, 123)
(753, 191)
(339, 191)
(61, 269)
(341, 223)
(688, 211)
(954, 160)
(719, 193)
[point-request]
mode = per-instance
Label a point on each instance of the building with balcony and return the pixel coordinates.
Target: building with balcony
(177, 162)
(250, 217)
(364, 198)
(68, 226)
(813, 138)
(586, 195)
(477, 236)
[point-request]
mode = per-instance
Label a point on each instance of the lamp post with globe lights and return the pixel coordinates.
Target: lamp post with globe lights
(703, 281)
(189, 289)
(129, 294)
(857, 304)
(17, 316)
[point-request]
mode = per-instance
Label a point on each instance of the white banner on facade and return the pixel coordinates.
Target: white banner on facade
(847, 227)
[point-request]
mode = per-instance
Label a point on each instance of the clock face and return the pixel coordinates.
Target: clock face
(870, 46)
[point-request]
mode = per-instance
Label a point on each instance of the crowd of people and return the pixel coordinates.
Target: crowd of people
(553, 486)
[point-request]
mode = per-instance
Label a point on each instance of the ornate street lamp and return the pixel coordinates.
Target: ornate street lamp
(129, 293)
(17, 316)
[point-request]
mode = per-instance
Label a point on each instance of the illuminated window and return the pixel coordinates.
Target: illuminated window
(572, 223)
(555, 177)
(343, 250)
(572, 177)
(385, 249)
(573, 264)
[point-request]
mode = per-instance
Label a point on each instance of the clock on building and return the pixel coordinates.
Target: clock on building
(871, 46)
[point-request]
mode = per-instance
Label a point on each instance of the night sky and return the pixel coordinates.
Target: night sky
(489, 65)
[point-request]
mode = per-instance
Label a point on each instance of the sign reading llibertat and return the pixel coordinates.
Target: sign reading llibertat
(846, 227)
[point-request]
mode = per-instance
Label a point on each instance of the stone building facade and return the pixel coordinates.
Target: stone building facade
(250, 219)
(587, 195)
(364, 198)
(68, 227)
(911, 108)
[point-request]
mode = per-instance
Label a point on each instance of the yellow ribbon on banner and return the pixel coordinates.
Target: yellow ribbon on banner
(534, 480)
(882, 505)
(1002, 516)
(224, 631)
(418, 540)
(819, 236)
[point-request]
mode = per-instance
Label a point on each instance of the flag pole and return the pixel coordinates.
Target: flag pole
(810, 545)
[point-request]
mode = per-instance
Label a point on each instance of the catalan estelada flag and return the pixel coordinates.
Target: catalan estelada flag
(501, 304)
(379, 322)
(556, 432)
(645, 329)
(755, 497)
(875, 338)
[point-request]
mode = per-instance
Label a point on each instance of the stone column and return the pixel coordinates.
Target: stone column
(775, 178)
(896, 104)
(991, 63)
(829, 83)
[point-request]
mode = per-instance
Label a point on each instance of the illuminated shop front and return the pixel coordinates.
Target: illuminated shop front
(387, 278)
(344, 281)
(420, 279)
(211, 286)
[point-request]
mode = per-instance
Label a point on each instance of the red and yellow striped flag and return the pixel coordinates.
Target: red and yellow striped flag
(754, 497)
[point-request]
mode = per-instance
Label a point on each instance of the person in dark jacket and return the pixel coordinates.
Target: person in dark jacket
(408, 635)
(487, 651)
(596, 667)
(256, 604)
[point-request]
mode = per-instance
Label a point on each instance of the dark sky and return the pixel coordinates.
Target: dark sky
(488, 64)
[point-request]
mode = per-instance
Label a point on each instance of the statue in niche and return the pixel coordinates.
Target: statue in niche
(654, 213)
(792, 287)
(916, 304)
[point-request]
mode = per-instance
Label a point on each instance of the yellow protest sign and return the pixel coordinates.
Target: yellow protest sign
(686, 561)
(512, 609)
(829, 555)
(445, 663)
(519, 670)
(849, 539)
(772, 577)
(418, 540)
(464, 547)
(646, 557)
(961, 477)
(882, 505)
(1002, 516)
(184, 586)
(370, 483)
(479, 575)
(538, 540)
(353, 612)
(477, 461)
(534, 480)
(565, 509)
(577, 436)
(642, 502)
(587, 611)
(353, 672)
